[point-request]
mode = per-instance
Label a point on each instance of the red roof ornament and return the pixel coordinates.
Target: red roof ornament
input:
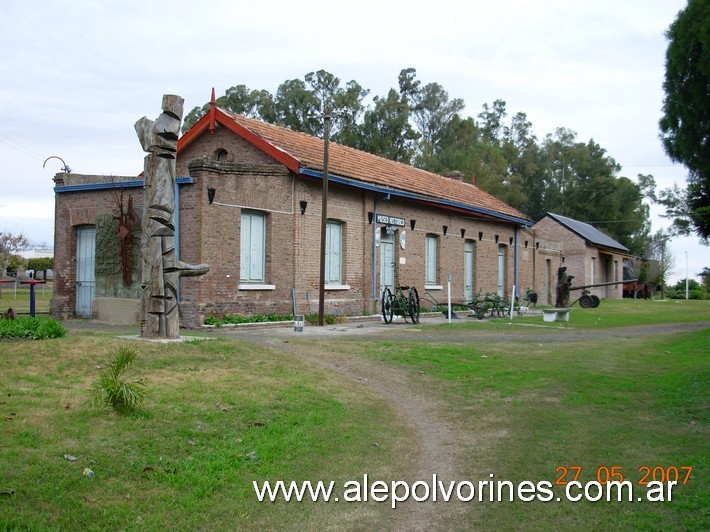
(213, 122)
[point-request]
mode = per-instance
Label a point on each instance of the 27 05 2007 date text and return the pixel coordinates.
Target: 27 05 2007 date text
(614, 473)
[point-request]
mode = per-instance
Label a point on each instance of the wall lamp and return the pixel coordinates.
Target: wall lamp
(463, 232)
(480, 235)
(412, 223)
(446, 228)
(526, 243)
(497, 237)
(370, 216)
(303, 205)
(510, 240)
(211, 194)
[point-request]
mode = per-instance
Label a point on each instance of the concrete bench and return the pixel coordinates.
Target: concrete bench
(555, 314)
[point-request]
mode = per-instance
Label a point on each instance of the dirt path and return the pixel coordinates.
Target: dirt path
(440, 437)
(437, 442)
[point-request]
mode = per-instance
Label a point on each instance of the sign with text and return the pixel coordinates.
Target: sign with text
(390, 220)
(298, 323)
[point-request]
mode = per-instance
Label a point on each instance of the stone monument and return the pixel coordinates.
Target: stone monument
(161, 268)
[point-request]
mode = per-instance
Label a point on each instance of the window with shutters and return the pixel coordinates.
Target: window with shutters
(334, 253)
(253, 247)
(432, 244)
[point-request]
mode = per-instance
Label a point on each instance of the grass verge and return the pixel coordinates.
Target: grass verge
(221, 415)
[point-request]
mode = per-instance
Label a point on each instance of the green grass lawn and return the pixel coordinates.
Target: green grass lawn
(633, 404)
(223, 413)
(19, 297)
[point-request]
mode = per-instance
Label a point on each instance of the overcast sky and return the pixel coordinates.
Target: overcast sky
(76, 75)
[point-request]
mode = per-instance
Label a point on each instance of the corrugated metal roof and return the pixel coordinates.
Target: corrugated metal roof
(589, 233)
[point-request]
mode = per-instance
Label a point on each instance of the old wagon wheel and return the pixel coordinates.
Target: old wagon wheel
(387, 307)
(481, 309)
(585, 301)
(595, 301)
(414, 309)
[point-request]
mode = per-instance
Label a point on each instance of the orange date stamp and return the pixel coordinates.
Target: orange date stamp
(614, 473)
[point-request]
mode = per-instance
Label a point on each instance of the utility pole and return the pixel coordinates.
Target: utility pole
(663, 269)
(687, 292)
(324, 219)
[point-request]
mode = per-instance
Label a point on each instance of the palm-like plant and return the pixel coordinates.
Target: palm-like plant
(113, 390)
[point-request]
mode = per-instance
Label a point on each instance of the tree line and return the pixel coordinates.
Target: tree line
(421, 125)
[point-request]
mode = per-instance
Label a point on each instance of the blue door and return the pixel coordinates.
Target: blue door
(85, 255)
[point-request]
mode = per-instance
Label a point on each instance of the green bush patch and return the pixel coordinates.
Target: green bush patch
(233, 319)
(31, 328)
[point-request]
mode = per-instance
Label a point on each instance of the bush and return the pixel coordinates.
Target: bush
(113, 390)
(695, 290)
(328, 319)
(233, 319)
(32, 328)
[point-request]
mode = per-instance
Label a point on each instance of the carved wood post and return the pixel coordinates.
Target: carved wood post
(161, 269)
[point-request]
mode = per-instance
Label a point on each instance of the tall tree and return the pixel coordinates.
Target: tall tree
(298, 108)
(386, 131)
(492, 121)
(238, 99)
(250, 103)
(685, 125)
(431, 111)
(661, 260)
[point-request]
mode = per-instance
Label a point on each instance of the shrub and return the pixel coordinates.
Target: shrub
(233, 319)
(32, 328)
(328, 319)
(113, 390)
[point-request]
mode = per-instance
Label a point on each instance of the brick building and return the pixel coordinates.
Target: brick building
(591, 256)
(248, 203)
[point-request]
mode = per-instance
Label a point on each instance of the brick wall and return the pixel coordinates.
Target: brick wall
(246, 178)
(73, 210)
(578, 257)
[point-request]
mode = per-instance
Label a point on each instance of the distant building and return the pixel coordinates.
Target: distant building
(591, 256)
(37, 253)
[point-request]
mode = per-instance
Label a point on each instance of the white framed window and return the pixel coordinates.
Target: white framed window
(432, 244)
(334, 253)
(252, 265)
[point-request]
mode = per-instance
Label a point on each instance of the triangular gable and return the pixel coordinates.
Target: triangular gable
(215, 114)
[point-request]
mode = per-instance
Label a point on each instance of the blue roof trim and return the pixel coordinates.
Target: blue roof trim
(412, 195)
(135, 183)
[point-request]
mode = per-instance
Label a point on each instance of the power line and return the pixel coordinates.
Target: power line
(19, 147)
(610, 221)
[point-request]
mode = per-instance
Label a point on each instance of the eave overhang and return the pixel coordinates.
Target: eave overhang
(428, 200)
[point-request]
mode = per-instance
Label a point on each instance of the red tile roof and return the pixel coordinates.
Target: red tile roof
(292, 147)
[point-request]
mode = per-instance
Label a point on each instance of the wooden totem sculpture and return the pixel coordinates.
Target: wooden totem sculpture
(161, 268)
(564, 282)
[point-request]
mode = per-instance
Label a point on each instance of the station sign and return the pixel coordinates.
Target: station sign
(390, 220)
